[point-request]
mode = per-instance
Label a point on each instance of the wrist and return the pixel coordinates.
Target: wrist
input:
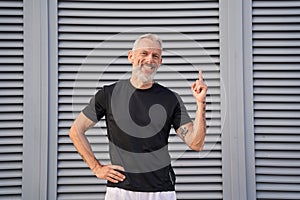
(96, 166)
(201, 103)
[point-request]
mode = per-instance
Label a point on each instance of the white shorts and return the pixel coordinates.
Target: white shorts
(114, 193)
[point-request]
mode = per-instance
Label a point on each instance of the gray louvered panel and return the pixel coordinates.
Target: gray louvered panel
(11, 95)
(94, 38)
(276, 70)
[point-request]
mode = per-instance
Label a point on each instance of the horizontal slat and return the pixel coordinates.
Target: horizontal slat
(11, 108)
(149, 1)
(107, 13)
(278, 114)
(138, 21)
(278, 179)
(11, 68)
(281, 75)
(11, 141)
(276, 19)
(289, 163)
(292, 171)
(10, 100)
(268, 152)
(11, 29)
(11, 174)
(8, 191)
(277, 59)
(278, 187)
(276, 67)
(11, 76)
(11, 183)
(11, 4)
(11, 148)
(139, 5)
(10, 14)
(278, 195)
(11, 166)
(278, 138)
(276, 11)
(11, 36)
(10, 52)
(80, 196)
(277, 131)
(10, 157)
(275, 42)
(131, 36)
(276, 90)
(11, 19)
(276, 4)
(271, 145)
(215, 195)
(276, 27)
(198, 187)
(9, 44)
(277, 97)
(123, 46)
(277, 122)
(274, 105)
(88, 188)
(13, 92)
(198, 170)
(277, 51)
(120, 29)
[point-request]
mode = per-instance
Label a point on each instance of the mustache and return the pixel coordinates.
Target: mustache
(149, 65)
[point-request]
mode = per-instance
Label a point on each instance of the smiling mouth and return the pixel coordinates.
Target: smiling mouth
(149, 67)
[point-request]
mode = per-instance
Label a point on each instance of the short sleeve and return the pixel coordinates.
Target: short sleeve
(95, 109)
(181, 115)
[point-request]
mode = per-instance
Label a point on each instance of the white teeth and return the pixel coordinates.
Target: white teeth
(148, 67)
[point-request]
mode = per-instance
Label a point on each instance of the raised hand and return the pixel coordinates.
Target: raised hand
(199, 89)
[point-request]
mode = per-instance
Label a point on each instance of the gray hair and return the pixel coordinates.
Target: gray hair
(150, 36)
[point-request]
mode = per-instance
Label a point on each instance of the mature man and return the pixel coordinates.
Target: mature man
(139, 114)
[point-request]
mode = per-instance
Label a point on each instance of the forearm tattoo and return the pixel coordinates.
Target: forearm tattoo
(183, 131)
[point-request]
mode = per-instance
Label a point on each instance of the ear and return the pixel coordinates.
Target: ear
(130, 56)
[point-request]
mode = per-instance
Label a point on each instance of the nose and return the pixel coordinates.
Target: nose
(150, 58)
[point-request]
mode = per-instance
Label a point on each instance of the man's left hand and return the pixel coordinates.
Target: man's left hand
(199, 89)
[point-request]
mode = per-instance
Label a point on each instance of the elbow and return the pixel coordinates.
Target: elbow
(72, 132)
(196, 148)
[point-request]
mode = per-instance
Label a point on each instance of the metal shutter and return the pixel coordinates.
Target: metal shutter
(94, 37)
(276, 69)
(11, 101)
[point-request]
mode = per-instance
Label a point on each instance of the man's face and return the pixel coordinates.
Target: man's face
(145, 59)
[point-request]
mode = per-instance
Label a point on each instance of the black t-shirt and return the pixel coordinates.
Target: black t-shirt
(138, 125)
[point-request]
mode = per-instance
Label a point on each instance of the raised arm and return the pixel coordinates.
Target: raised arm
(193, 134)
(80, 141)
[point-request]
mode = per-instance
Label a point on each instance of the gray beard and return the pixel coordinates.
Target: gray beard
(141, 76)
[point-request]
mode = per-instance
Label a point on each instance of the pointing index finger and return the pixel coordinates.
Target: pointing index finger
(200, 77)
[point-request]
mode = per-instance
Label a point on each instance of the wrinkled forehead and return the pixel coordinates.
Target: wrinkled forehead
(148, 44)
(148, 49)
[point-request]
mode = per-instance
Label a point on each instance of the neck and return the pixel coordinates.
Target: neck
(139, 84)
